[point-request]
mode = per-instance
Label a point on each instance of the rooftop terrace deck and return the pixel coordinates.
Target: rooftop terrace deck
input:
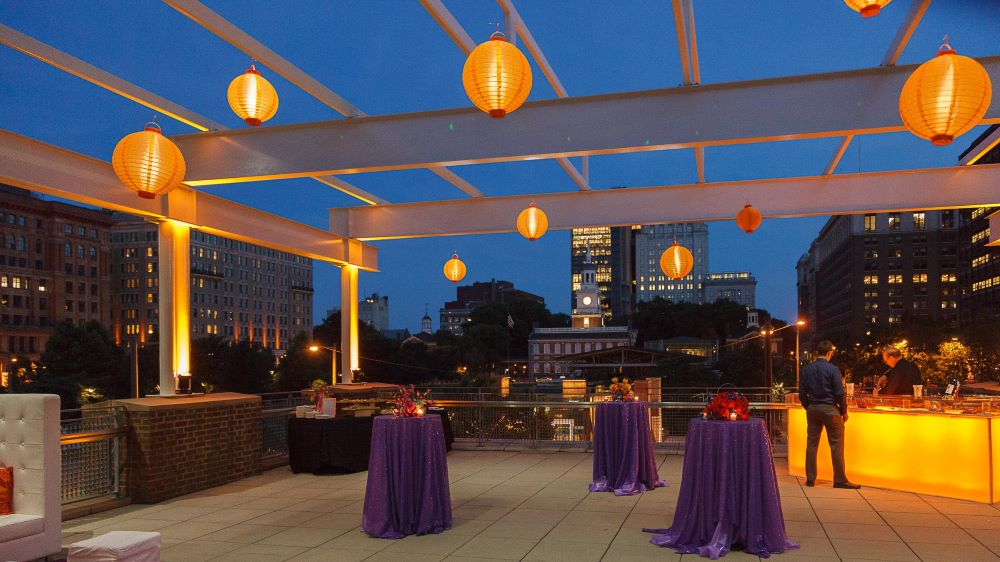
(535, 506)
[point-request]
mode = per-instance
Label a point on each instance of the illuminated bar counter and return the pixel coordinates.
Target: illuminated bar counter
(945, 449)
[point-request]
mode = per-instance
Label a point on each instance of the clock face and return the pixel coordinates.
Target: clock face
(587, 301)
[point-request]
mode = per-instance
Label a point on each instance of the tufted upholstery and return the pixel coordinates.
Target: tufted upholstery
(29, 442)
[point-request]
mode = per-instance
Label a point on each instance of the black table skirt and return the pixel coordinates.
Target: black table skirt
(338, 444)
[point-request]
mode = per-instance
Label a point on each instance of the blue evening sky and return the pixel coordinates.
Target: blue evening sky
(388, 56)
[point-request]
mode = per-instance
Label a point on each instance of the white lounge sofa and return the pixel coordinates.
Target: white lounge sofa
(29, 442)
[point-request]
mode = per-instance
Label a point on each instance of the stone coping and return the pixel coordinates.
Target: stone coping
(185, 401)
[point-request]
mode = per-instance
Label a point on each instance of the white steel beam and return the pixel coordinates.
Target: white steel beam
(876, 192)
(48, 169)
(449, 24)
(982, 147)
(680, 28)
(853, 102)
(841, 149)
(236, 37)
(699, 162)
(205, 17)
(693, 41)
(72, 65)
(536, 52)
(909, 25)
(455, 180)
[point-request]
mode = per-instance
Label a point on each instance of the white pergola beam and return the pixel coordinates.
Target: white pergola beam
(41, 167)
(981, 148)
(917, 10)
(877, 192)
(446, 20)
(454, 179)
(841, 149)
(72, 65)
(220, 26)
(529, 43)
(680, 29)
(853, 102)
(692, 36)
(699, 162)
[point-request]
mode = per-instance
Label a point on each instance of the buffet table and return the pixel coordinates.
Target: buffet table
(338, 444)
(937, 453)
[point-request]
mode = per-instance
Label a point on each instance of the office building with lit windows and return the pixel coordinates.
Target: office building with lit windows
(650, 243)
(54, 266)
(979, 277)
(736, 286)
(238, 290)
(876, 269)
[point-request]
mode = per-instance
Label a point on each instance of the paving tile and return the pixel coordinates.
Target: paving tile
(232, 515)
(640, 553)
(989, 537)
(919, 519)
(978, 509)
(188, 530)
(940, 535)
(873, 550)
(324, 554)
(902, 506)
(261, 553)
(134, 525)
(599, 534)
(527, 530)
(284, 518)
(934, 551)
(197, 551)
(474, 512)
(441, 544)
(562, 551)
(344, 521)
(243, 533)
(845, 516)
(880, 532)
(504, 549)
(976, 522)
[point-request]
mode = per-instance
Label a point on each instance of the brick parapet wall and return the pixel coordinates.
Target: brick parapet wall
(183, 445)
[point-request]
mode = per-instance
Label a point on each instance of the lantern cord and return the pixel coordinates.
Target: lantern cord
(944, 44)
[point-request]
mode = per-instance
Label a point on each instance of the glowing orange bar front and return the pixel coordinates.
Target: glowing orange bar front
(954, 456)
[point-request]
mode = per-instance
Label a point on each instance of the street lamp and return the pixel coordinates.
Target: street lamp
(798, 358)
(333, 366)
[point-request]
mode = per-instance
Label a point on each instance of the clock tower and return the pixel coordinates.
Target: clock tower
(588, 312)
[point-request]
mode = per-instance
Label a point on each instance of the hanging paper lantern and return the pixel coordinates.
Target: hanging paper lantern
(532, 222)
(945, 97)
(497, 76)
(868, 8)
(148, 162)
(252, 97)
(454, 269)
(748, 219)
(676, 261)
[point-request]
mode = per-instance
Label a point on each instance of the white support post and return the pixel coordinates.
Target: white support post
(175, 303)
(348, 322)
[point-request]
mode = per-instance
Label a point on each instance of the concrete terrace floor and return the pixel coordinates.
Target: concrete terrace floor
(535, 506)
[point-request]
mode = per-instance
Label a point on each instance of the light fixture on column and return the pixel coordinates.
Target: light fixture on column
(532, 222)
(497, 76)
(867, 8)
(454, 269)
(148, 162)
(252, 97)
(748, 218)
(945, 97)
(676, 261)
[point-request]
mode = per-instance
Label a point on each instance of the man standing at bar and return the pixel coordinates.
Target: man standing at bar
(821, 393)
(902, 375)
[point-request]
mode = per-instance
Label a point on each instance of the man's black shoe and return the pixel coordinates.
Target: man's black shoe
(810, 483)
(847, 485)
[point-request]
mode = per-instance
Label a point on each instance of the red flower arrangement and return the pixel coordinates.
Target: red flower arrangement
(727, 406)
(409, 403)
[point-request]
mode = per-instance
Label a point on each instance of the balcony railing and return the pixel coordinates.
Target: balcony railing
(92, 442)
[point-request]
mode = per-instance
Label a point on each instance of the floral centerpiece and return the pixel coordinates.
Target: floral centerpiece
(621, 389)
(727, 406)
(409, 402)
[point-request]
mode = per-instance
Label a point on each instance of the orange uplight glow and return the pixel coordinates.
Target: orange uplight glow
(936, 454)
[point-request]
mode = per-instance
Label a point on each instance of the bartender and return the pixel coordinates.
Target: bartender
(902, 374)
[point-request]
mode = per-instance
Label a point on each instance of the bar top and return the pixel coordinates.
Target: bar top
(966, 407)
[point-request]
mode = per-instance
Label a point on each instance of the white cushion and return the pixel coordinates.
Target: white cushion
(135, 546)
(19, 525)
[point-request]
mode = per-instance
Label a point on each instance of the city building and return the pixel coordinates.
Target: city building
(687, 345)
(426, 334)
(456, 313)
(54, 266)
(877, 269)
(979, 277)
(736, 286)
(560, 352)
(374, 311)
(238, 290)
(613, 256)
(650, 243)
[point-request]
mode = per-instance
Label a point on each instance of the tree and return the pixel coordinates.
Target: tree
(300, 366)
(78, 357)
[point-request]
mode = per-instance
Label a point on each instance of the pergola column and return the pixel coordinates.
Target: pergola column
(175, 303)
(348, 321)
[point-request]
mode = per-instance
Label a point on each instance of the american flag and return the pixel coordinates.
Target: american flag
(510, 321)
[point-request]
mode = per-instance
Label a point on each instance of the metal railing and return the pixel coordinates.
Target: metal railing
(92, 440)
(276, 409)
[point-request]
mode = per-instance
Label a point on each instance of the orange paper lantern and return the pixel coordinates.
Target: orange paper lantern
(252, 97)
(676, 261)
(945, 97)
(454, 269)
(497, 76)
(148, 162)
(868, 8)
(748, 218)
(532, 222)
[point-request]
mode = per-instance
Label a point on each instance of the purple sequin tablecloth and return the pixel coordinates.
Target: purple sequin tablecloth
(729, 493)
(407, 489)
(623, 449)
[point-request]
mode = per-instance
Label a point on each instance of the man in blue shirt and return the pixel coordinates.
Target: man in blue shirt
(821, 393)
